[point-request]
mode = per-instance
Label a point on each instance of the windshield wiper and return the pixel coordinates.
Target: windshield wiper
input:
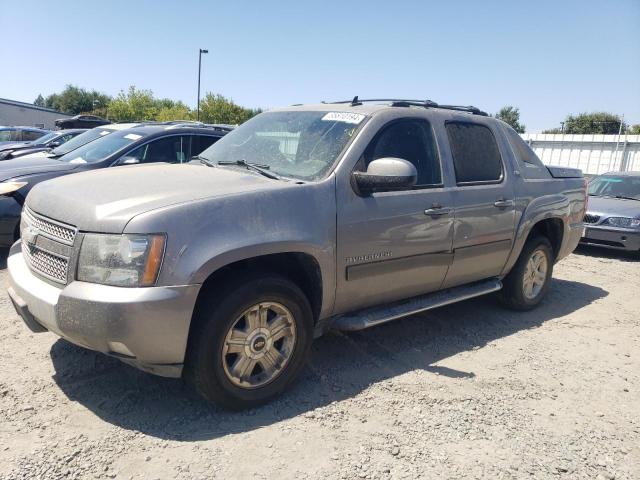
(626, 198)
(256, 167)
(205, 161)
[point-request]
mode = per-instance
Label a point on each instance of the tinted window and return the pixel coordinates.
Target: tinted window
(29, 135)
(201, 143)
(169, 149)
(476, 157)
(410, 140)
(522, 150)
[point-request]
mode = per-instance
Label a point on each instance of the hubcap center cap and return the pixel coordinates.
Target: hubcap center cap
(258, 343)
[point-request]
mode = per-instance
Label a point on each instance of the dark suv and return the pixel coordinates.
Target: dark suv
(142, 144)
(81, 121)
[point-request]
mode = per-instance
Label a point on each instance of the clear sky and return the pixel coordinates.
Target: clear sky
(549, 58)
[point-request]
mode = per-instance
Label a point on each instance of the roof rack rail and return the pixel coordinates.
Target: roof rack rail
(400, 102)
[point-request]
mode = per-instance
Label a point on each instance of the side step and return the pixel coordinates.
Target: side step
(372, 316)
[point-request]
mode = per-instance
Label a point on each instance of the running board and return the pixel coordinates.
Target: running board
(370, 317)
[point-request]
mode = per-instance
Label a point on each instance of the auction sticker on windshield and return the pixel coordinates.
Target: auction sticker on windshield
(345, 117)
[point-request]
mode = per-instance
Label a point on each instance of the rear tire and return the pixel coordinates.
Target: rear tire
(528, 281)
(250, 341)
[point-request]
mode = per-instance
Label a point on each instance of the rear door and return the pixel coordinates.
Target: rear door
(394, 245)
(484, 202)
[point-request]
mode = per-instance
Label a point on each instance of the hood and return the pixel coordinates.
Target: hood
(613, 207)
(106, 200)
(9, 145)
(28, 165)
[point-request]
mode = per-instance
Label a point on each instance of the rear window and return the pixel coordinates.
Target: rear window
(476, 156)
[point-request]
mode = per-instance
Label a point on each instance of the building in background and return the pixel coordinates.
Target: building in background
(593, 154)
(13, 113)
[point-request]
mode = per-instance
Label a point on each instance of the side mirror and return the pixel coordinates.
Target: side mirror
(55, 144)
(128, 161)
(386, 175)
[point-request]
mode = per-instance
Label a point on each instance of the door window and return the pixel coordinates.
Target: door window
(169, 149)
(413, 141)
(29, 135)
(476, 157)
(201, 142)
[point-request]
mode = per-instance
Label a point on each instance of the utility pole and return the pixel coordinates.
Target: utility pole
(199, 69)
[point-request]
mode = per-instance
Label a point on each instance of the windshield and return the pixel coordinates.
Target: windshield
(615, 186)
(82, 139)
(102, 148)
(46, 138)
(302, 145)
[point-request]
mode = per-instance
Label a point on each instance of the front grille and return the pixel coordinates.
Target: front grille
(46, 264)
(47, 245)
(588, 218)
(58, 231)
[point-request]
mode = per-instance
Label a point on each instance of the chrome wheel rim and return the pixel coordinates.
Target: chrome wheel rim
(535, 274)
(259, 345)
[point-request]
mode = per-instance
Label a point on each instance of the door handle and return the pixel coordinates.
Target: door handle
(503, 203)
(437, 211)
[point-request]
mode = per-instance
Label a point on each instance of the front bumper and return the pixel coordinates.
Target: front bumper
(617, 238)
(144, 327)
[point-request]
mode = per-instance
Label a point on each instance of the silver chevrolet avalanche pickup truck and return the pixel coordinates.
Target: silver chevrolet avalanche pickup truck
(338, 215)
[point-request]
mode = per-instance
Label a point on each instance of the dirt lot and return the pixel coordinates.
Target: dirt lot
(466, 391)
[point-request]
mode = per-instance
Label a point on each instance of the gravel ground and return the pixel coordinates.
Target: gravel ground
(466, 391)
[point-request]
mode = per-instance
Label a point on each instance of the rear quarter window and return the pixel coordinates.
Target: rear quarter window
(530, 165)
(476, 157)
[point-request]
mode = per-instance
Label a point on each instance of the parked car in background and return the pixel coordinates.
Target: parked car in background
(140, 144)
(613, 215)
(20, 134)
(81, 121)
(302, 219)
(46, 142)
(82, 139)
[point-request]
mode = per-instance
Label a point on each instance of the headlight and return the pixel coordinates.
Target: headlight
(121, 260)
(10, 187)
(623, 222)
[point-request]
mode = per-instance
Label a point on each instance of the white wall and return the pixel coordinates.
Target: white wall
(593, 154)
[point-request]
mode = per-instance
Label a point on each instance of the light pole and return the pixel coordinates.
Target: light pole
(199, 68)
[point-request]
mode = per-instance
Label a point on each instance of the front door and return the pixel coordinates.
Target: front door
(393, 245)
(484, 204)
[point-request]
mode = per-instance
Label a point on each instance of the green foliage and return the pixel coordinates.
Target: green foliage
(175, 111)
(593, 123)
(39, 101)
(214, 108)
(76, 100)
(134, 105)
(511, 116)
(634, 129)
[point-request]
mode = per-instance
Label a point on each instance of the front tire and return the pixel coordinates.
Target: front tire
(250, 341)
(528, 281)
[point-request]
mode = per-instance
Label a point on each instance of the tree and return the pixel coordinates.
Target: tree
(634, 129)
(174, 111)
(133, 105)
(214, 108)
(39, 101)
(511, 116)
(77, 100)
(602, 123)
